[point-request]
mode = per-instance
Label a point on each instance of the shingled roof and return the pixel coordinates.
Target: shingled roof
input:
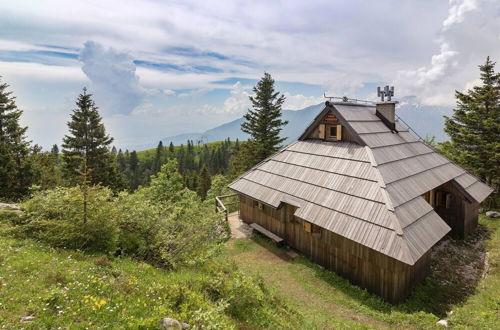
(368, 190)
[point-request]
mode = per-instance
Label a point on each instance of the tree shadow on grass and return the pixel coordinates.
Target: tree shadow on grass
(280, 252)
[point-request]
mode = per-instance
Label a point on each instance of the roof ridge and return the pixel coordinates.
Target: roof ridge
(385, 194)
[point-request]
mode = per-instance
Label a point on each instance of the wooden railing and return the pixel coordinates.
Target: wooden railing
(220, 207)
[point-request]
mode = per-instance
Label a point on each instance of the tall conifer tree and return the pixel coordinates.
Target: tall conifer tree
(134, 171)
(474, 127)
(87, 143)
(15, 166)
(203, 183)
(158, 157)
(263, 122)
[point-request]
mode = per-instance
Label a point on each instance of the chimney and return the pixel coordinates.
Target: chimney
(386, 110)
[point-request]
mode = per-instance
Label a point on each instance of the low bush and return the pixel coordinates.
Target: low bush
(164, 224)
(57, 217)
(168, 234)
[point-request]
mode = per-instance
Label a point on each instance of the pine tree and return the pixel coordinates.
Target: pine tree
(171, 148)
(158, 157)
(134, 171)
(122, 162)
(263, 122)
(203, 183)
(474, 127)
(87, 143)
(15, 165)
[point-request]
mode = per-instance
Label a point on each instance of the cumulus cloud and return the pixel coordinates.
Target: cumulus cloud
(469, 33)
(238, 101)
(299, 101)
(113, 74)
(236, 104)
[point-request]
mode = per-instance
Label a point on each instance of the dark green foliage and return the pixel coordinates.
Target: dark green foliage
(474, 127)
(203, 183)
(55, 152)
(134, 171)
(15, 167)
(263, 122)
(243, 160)
(87, 141)
(158, 157)
(190, 158)
(46, 168)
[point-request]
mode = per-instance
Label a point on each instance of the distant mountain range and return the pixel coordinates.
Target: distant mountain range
(425, 120)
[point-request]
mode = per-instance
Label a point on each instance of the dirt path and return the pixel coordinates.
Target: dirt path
(294, 283)
(239, 229)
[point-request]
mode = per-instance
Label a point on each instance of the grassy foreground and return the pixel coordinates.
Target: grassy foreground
(43, 287)
(458, 283)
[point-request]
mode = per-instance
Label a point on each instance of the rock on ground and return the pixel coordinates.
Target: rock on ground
(171, 324)
(442, 323)
(27, 318)
(9, 207)
(493, 214)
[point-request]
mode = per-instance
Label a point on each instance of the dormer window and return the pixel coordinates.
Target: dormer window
(333, 131)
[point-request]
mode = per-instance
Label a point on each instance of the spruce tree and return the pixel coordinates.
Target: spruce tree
(15, 165)
(171, 148)
(87, 143)
(134, 171)
(263, 122)
(203, 183)
(474, 127)
(158, 157)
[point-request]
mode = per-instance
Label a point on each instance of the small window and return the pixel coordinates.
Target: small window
(333, 131)
(307, 226)
(316, 231)
(258, 205)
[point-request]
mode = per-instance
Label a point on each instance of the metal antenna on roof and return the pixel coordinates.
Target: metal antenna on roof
(387, 91)
(345, 99)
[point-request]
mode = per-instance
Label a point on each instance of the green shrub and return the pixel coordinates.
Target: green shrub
(168, 234)
(57, 217)
(247, 299)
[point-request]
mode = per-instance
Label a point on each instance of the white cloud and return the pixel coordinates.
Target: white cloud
(41, 72)
(116, 84)
(466, 38)
(299, 101)
(428, 48)
(238, 101)
(457, 11)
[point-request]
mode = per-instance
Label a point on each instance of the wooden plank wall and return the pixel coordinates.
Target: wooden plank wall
(380, 274)
(462, 215)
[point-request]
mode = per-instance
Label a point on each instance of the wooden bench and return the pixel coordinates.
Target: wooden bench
(275, 238)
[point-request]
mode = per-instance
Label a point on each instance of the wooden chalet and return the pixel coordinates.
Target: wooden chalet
(360, 195)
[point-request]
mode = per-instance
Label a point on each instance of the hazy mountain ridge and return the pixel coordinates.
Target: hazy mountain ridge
(425, 120)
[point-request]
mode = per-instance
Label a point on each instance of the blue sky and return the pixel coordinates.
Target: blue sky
(160, 68)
